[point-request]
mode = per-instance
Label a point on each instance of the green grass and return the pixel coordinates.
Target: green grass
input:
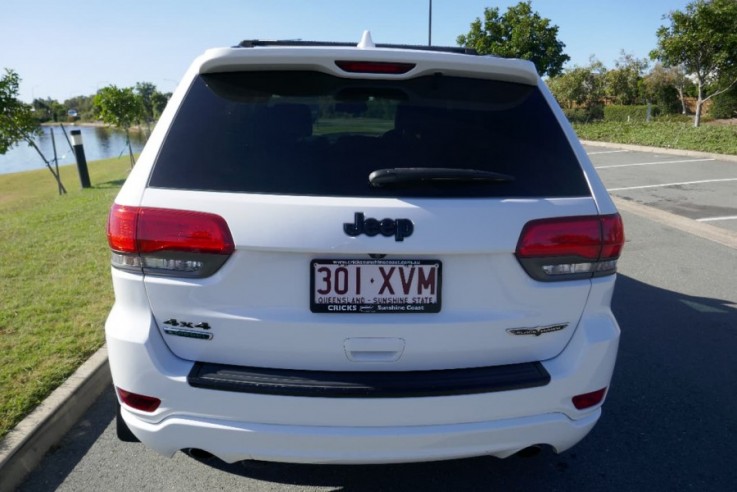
(55, 288)
(668, 134)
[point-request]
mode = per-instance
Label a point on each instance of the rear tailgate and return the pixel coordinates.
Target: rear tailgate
(257, 307)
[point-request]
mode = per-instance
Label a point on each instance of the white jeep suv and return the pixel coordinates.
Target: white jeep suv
(331, 253)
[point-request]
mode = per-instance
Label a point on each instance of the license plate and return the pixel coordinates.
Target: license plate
(375, 286)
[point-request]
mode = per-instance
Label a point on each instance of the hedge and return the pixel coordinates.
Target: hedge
(629, 113)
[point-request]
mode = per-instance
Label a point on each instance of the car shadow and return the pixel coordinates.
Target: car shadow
(62, 458)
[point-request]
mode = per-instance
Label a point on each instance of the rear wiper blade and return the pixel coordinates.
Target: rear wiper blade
(405, 175)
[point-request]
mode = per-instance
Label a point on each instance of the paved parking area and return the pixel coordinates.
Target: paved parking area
(699, 188)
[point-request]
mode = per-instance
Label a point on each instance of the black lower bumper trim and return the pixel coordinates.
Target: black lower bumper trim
(329, 384)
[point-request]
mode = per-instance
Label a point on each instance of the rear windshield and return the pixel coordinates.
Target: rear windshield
(309, 133)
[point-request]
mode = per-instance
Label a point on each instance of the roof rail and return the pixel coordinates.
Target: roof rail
(253, 43)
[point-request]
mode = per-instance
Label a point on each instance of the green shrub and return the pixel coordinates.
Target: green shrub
(721, 139)
(666, 99)
(676, 118)
(629, 113)
(584, 115)
(725, 105)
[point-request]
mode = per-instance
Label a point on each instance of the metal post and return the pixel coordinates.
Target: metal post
(56, 158)
(84, 175)
(429, 26)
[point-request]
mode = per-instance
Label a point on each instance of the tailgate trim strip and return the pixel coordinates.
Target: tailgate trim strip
(367, 384)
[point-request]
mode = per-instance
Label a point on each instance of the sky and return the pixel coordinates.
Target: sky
(65, 49)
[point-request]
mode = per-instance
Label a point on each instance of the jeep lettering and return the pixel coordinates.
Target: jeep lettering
(399, 228)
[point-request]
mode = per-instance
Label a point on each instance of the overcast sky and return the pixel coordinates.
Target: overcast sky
(64, 49)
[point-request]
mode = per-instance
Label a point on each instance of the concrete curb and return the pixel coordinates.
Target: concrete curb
(24, 447)
(705, 231)
(660, 150)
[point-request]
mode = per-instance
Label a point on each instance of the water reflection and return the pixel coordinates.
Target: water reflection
(99, 143)
(103, 139)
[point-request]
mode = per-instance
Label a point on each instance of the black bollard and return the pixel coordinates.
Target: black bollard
(84, 175)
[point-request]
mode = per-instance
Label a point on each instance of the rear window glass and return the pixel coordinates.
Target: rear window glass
(309, 133)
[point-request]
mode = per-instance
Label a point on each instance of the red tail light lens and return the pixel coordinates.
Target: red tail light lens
(168, 242)
(139, 402)
(570, 248)
(180, 230)
(121, 229)
(554, 237)
(588, 400)
(612, 232)
(389, 68)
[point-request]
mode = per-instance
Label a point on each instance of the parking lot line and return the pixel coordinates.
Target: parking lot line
(665, 185)
(715, 219)
(655, 163)
(607, 152)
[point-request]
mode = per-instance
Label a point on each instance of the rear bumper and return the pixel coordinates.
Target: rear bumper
(235, 441)
(236, 426)
(365, 384)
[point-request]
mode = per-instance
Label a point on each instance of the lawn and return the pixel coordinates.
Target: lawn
(668, 134)
(55, 290)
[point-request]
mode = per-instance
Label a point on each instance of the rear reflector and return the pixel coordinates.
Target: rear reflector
(588, 400)
(568, 248)
(139, 402)
(167, 241)
(389, 68)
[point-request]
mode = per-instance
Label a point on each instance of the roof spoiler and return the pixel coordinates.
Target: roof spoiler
(255, 43)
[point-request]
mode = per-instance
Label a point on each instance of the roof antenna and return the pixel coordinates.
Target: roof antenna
(366, 41)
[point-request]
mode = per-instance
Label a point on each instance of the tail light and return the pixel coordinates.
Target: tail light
(139, 402)
(570, 248)
(588, 400)
(387, 68)
(168, 242)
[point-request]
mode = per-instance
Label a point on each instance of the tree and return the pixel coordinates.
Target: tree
(703, 39)
(623, 82)
(16, 118)
(519, 33)
(666, 86)
(153, 102)
(580, 86)
(17, 122)
(82, 105)
(120, 108)
(48, 110)
(725, 104)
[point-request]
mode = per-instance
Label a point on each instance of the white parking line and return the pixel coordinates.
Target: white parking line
(607, 152)
(652, 163)
(714, 219)
(665, 185)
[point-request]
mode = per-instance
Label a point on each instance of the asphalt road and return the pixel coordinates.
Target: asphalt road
(669, 422)
(700, 188)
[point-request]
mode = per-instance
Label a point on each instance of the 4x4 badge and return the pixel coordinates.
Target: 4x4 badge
(399, 228)
(187, 329)
(537, 331)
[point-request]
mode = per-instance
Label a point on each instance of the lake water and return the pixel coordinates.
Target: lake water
(99, 143)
